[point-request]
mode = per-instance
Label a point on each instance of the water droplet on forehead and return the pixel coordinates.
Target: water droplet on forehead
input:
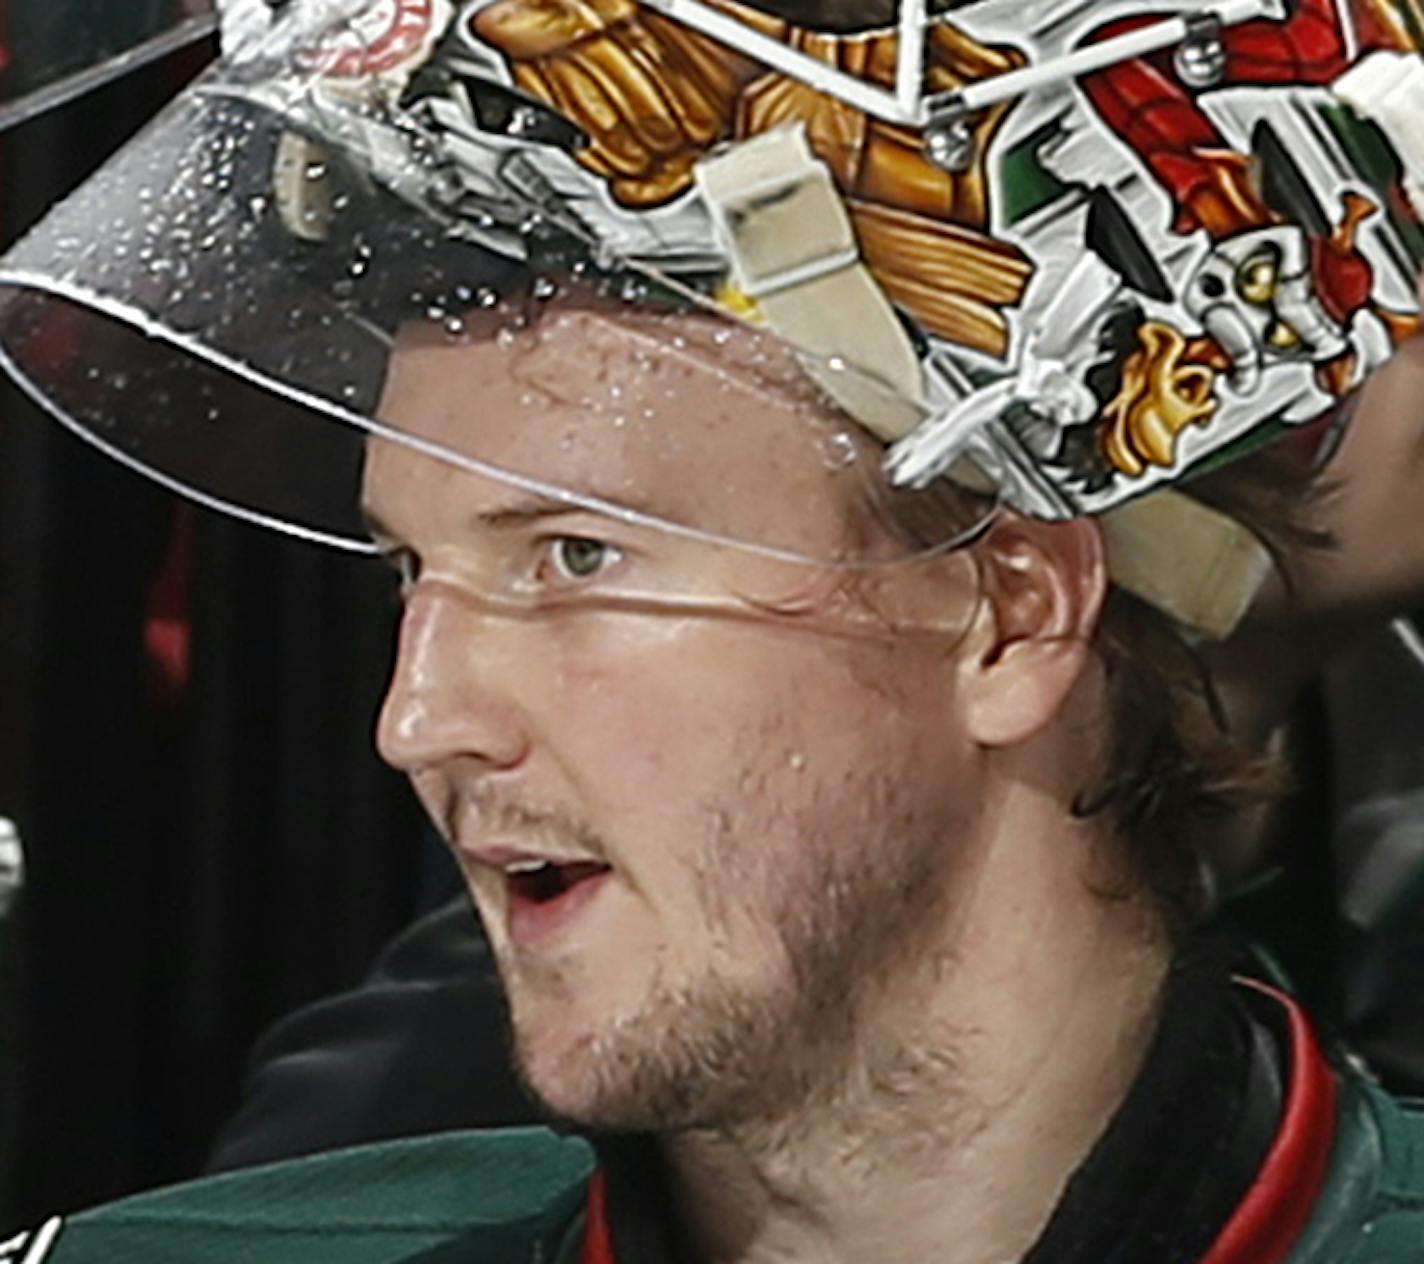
(839, 450)
(486, 297)
(455, 326)
(545, 287)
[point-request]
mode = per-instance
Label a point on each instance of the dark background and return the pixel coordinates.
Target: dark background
(186, 707)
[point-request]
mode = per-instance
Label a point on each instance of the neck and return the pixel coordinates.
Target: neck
(995, 1065)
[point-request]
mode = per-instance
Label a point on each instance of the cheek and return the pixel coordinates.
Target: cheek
(720, 732)
(624, 707)
(434, 794)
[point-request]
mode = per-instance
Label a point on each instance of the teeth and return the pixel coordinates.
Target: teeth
(526, 866)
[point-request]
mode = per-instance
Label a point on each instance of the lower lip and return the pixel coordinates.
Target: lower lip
(535, 924)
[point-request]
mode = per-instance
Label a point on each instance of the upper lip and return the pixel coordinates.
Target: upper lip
(504, 858)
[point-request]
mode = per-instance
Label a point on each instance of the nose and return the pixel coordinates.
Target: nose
(452, 690)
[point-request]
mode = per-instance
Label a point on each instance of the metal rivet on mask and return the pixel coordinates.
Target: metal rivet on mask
(949, 137)
(1201, 58)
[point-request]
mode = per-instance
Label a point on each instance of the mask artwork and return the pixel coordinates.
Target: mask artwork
(1120, 277)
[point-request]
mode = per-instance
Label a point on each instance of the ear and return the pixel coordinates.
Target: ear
(1042, 589)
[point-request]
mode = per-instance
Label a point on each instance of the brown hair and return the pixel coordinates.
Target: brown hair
(1177, 776)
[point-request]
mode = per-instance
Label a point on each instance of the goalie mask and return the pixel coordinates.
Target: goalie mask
(1061, 256)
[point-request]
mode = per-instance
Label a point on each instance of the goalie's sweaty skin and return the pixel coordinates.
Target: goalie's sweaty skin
(648, 813)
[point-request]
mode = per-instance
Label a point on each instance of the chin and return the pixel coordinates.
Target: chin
(588, 1091)
(559, 1056)
(673, 1065)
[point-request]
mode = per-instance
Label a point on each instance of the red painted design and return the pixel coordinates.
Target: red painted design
(1144, 102)
(1276, 1208)
(388, 37)
(597, 1232)
(1307, 48)
(1343, 279)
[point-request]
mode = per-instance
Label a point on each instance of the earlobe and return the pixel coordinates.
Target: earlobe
(1042, 590)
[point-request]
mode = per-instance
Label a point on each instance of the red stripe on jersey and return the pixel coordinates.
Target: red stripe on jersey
(1270, 1218)
(597, 1233)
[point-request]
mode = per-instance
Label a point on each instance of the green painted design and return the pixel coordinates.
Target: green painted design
(1025, 185)
(1376, 161)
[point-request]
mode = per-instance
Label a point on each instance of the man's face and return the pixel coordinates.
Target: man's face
(706, 801)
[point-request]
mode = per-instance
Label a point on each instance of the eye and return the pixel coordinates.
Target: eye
(1257, 278)
(577, 557)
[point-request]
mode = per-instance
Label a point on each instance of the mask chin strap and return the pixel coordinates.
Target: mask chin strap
(781, 221)
(1199, 566)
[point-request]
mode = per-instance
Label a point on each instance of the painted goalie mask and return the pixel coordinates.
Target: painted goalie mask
(1063, 255)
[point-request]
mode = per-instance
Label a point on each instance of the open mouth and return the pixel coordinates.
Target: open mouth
(545, 896)
(547, 899)
(543, 882)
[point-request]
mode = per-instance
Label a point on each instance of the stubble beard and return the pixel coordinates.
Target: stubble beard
(715, 1052)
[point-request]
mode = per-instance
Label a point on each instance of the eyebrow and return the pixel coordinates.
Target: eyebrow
(531, 509)
(520, 513)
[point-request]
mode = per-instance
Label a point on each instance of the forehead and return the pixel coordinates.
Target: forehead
(688, 417)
